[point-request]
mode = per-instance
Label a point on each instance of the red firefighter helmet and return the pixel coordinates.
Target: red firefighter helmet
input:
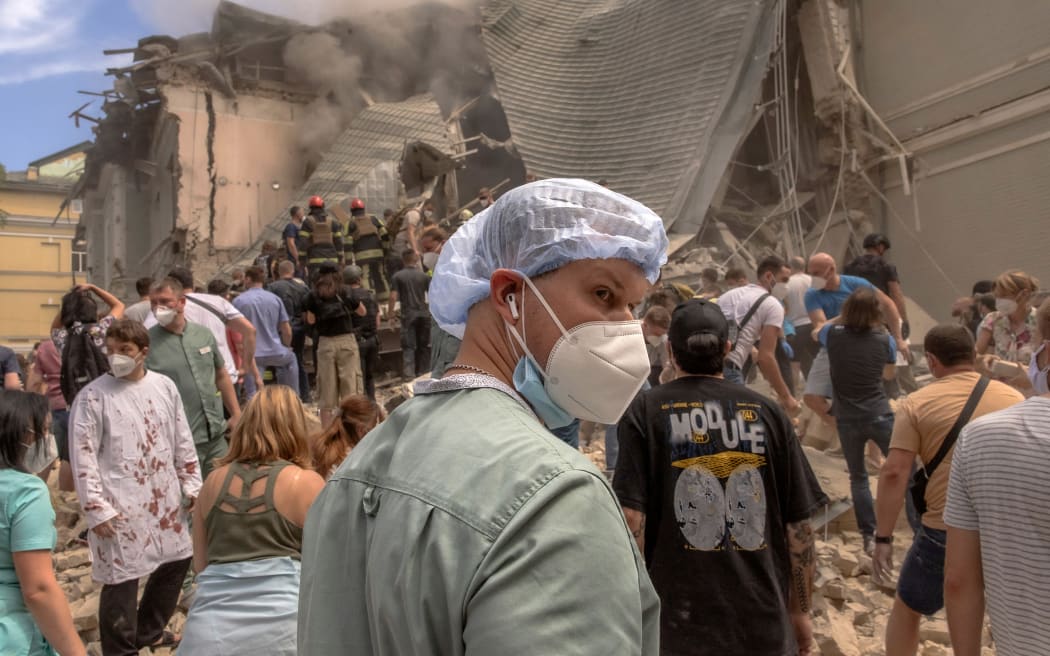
(316, 201)
(357, 204)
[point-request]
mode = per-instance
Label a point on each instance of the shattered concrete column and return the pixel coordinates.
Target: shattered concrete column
(109, 235)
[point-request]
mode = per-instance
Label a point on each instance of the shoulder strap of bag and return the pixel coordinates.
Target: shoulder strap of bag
(209, 307)
(751, 312)
(953, 434)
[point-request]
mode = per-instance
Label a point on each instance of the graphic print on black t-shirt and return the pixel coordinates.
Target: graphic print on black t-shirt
(719, 473)
(720, 497)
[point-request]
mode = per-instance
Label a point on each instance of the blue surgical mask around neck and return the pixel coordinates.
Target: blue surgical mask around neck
(529, 383)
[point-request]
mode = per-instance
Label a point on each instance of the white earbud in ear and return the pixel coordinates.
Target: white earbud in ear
(513, 303)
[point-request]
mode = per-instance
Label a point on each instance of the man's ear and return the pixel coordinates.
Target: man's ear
(728, 348)
(505, 288)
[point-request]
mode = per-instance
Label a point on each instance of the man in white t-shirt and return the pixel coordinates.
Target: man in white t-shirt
(998, 518)
(217, 314)
(765, 326)
(804, 347)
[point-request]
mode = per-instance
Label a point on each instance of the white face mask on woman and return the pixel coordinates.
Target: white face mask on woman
(40, 453)
(1005, 305)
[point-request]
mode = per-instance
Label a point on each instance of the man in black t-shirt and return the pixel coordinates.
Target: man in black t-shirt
(718, 493)
(873, 267)
(366, 328)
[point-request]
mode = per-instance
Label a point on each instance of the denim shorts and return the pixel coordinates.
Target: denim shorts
(921, 582)
(60, 427)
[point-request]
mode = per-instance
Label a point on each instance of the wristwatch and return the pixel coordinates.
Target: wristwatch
(880, 539)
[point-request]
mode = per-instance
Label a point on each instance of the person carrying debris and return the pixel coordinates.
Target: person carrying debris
(366, 243)
(828, 291)
(322, 237)
(718, 493)
(464, 488)
(405, 227)
(873, 267)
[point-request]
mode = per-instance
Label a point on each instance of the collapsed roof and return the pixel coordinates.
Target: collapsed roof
(652, 96)
(383, 143)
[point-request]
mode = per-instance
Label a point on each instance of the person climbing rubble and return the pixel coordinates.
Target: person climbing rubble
(367, 243)
(322, 238)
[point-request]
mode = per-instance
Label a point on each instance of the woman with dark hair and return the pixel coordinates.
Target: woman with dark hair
(358, 414)
(862, 354)
(329, 307)
(34, 615)
(80, 336)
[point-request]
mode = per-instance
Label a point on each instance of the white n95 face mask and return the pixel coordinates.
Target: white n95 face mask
(816, 282)
(656, 341)
(780, 291)
(430, 260)
(121, 365)
(595, 369)
(165, 315)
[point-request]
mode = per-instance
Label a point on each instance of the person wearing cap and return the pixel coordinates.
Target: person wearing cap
(873, 267)
(461, 524)
(718, 493)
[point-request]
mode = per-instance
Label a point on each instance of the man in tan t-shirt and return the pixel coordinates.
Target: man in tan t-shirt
(923, 420)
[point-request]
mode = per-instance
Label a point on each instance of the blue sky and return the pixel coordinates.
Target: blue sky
(50, 49)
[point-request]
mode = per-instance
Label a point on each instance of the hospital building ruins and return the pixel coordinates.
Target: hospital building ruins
(751, 126)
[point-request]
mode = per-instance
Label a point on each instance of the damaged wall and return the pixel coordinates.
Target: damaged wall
(976, 116)
(231, 153)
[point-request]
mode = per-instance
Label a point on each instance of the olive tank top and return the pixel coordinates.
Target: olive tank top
(251, 529)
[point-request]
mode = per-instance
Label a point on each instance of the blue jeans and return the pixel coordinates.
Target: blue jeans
(921, 582)
(733, 374)
(854, 436)
(60, 427)
(287, 372)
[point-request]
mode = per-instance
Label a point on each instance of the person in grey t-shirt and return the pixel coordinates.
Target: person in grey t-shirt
(410, 285)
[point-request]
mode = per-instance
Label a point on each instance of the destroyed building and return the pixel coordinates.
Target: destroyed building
(207, 139)
(752, 127)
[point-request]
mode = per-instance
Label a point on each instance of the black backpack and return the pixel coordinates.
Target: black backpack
(82, 361)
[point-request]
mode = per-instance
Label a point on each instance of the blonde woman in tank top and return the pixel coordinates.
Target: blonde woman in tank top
(247, 534)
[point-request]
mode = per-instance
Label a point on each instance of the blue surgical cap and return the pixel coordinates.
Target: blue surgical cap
(537, 228)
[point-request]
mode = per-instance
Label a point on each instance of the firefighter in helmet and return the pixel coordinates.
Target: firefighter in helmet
(322, 237)
(367, 242)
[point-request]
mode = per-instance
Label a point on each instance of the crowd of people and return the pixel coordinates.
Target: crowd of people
(467, 521)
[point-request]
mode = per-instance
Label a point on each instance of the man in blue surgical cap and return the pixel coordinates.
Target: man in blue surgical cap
(460, 525)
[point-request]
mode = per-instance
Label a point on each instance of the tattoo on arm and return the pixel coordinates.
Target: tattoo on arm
(803, 561)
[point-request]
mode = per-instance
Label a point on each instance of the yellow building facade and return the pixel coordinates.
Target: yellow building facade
(42, 260)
